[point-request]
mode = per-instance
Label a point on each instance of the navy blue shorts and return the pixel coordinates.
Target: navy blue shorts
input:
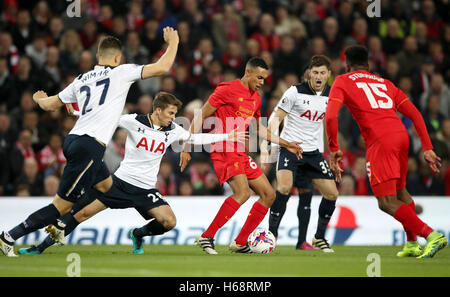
(125, 195)
(84, 167)
(311, 166)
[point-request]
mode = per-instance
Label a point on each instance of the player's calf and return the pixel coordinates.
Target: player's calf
(277, 211)
(37, 220)
(389, 204)
(151, 229)
(267, 196)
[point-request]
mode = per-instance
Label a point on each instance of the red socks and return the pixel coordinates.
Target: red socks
(226, 211)
(411, 221)
(255, 216)
(409, 235)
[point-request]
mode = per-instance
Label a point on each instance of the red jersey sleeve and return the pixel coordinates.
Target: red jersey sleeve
(408, 109)
(257, 114)
(218, 97)
(336, 99)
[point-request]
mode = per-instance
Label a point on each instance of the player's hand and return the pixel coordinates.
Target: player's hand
(295, 148)
(69, 108)
(238, 136)
(184, 160)
(39, 95)
(335, 159)
(433, 161)
(170, 35)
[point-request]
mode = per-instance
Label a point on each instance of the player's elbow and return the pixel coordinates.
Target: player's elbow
(163, 69)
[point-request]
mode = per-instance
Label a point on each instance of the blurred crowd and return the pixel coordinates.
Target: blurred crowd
(44, 46)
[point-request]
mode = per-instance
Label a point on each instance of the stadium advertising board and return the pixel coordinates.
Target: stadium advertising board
(356, 221)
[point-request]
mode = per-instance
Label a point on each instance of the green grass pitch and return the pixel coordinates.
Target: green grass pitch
(190, 261)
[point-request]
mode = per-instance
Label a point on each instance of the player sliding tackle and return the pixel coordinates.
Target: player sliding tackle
(374, 102)
(101, 94)
(232, 103)
(134, 181)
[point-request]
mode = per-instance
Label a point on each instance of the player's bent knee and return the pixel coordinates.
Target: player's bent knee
(82, 215)
(170, 223)
(104, 185)
(242, 196)
(284, 189)
(332, 195)
(386, 203)
(268, 196)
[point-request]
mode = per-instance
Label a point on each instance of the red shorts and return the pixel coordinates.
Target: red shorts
(228, 165)
(387, 161)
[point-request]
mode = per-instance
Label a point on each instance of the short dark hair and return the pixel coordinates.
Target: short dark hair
(164, 99)
(319, 60)
(109, 43)
(357, 55)
(257, 62)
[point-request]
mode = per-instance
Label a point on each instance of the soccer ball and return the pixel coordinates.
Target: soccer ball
(261, 241)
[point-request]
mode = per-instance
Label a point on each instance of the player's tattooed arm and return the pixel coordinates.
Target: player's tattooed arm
(293, 147)
(51, 103)
(197, 122)
(274, 123)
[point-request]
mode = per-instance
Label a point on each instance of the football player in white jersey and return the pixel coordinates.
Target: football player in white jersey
(303, 107)
(134, 181)
(101, 94)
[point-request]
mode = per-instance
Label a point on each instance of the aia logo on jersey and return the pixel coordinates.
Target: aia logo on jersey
(161, 147)
(317, 116)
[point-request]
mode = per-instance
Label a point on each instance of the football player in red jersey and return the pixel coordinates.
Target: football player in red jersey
(373, 102)
(236, 104)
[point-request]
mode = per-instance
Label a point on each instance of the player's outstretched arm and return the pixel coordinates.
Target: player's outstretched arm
(51, 103)
(163, 65)
(207, 138)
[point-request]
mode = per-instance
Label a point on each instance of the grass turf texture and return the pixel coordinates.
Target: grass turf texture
(190, 261)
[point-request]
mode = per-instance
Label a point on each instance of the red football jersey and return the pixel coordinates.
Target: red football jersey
(372, 101)
(236, 107)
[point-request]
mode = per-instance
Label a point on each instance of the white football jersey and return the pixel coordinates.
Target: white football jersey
(100, 94)
(305, 114)
(146, 144)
